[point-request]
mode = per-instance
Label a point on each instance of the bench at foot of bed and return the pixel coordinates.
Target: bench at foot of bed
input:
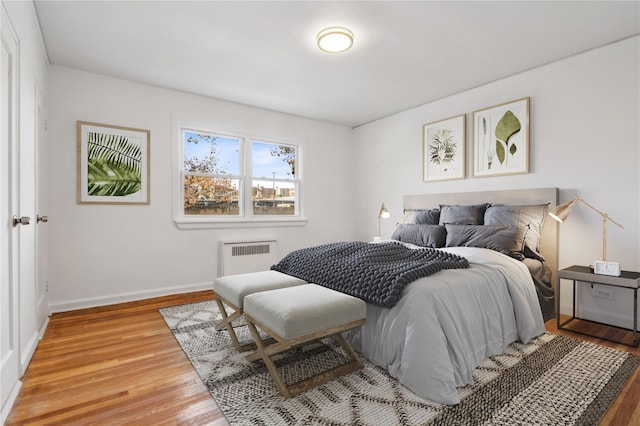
(297, 316)
(231, 290)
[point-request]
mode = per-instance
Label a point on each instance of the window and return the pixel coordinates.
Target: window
(212, 182)
(274, 186)
(231, 178)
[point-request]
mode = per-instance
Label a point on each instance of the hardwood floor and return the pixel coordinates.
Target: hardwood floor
(120, 364)
(114, 365)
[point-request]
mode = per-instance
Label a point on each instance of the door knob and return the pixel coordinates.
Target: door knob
(24, 220)
(42, 218)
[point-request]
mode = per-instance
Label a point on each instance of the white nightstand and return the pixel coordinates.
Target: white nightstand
(628, 279)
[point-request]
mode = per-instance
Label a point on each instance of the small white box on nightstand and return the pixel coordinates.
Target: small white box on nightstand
(601, 267)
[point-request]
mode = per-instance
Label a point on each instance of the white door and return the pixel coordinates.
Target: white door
(42, 233)
(9, 327)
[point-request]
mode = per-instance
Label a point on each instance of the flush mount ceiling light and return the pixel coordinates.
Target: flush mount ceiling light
(335, 39)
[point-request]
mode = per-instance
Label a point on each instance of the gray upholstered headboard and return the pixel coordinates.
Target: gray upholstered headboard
(549, 241)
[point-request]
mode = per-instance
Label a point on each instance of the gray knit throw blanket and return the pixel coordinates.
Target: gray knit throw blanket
(375, 273)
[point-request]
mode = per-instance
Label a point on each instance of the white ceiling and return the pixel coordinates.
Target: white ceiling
(264, 54)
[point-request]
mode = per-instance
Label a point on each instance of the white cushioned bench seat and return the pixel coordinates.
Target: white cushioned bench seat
(299, 311)
(231, 290)
(234, 288)
(299, 315)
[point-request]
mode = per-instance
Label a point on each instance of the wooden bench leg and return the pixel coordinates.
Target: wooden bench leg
(322, 378)
(275, 374)
(348, 349)
(266, 352)
(227, 321)
(226, 318)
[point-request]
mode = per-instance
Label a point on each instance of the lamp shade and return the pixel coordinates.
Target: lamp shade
(561, 212)
(384, 213)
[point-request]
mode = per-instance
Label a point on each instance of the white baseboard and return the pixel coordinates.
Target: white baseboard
(44, 326)
(27, 352)
(8, 404)
(31, 347)
(73, 305)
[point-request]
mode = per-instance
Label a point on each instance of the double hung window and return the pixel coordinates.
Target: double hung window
(235, 178)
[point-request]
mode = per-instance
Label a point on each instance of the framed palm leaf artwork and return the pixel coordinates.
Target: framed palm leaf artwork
(113, 164)
(443, 154)
(501, 139)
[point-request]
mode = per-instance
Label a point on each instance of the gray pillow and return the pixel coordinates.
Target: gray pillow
(532, 216)
(463, 215)
(433, 236)
(422, 217)
(506, 240)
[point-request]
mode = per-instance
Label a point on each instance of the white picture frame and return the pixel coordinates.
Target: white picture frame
(113, 164)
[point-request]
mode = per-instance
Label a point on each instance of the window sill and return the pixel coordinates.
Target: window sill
(204, 223)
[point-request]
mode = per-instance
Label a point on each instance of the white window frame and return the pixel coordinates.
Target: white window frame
(245, 219)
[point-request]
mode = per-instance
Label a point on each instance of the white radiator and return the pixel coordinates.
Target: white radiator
(241, 257)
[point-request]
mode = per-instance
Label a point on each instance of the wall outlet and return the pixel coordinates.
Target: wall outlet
(602, 292)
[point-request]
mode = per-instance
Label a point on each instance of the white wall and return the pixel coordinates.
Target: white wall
(102, 254)
(585, 133)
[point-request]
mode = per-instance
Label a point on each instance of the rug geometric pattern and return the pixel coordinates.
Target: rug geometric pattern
(553, 380)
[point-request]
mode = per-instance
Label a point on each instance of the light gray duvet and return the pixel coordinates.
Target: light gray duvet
(446, 324)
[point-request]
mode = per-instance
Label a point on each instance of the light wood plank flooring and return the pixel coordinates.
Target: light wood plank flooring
(120, 364)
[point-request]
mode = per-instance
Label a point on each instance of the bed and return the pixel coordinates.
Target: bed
(434, 315)
(444, 325)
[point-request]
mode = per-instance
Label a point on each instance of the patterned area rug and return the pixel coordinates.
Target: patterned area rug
(551, 381)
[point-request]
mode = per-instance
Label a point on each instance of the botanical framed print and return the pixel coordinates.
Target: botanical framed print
(501, 139)
(113, 164)
(443, 153)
